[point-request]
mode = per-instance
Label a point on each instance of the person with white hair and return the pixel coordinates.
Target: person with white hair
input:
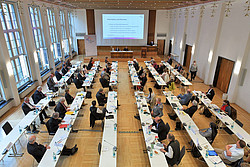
(38, 95)
(191, 110)
(61, 108)
(35, 149)
(54, 122)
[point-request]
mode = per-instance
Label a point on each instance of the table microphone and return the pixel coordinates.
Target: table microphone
(144, 122)
(111, 144)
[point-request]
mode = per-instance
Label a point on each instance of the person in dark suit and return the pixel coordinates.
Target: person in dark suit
(94, 115)
(58, 74)
(141, 71)
(51, 83)
(191, 110)
(54, 122)
(81, 76)
(117, 49)
(125, 49)
(109, 68)
(68, 64)
(170, 61)
(143, 79)
(178, 67)
(161, 68)
(64, 69)
(27, 107)
(79, 83)
(61, 108)
(136, 65)
(38, 95)
(172, 150)
(35, 149)
(151, 43)
(161, 128)
(100, 96)
(210, 93)
(184, 99)
(105, 83)
(68, 97)
(90, 65)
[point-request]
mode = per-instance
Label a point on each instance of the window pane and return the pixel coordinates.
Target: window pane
(14, 70)
(7, 16)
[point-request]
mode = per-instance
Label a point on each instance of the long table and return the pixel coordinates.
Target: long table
(224, 118)
(121, 54)
(10, 140)
(156, 159)
(155, 74)
(91, 74)
(193, 132)
(114, 73)
(182, 79)
(108, 156)
(133, 74)
(61, 136)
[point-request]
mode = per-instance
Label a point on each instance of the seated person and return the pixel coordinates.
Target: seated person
(155, 65)
(109, 69)
(161, 68)
(172, 150)
(105, 83)
(143, 80)
(35, 149)
(51, 83)
(246, 162)
(106, 61)
(100, 96)
(191, 110)
(184, 99)
(58, 74)
(38, 95)
(152, 60)
(151, 43)
(158, 109)
(226, 108)
(54, 122)
(68, 64)
(125, 49)
(141, 71)
(95, 114)
(80, 76)
(232, 153)
(105, 75)
(165, 75)
(64, 69)
(178, 67)
(150, 96)
(209, 133)
(61, 108)
(161, 128)
(117, 49)
(210, 92)
(68, 97)
(79, 83)
(170, 60)
(136, 65)
(27, 107)
(90, 65)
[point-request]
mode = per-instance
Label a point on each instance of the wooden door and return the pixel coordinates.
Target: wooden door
(224, 71)
(161, 46)
(81, 46)
(187, 56)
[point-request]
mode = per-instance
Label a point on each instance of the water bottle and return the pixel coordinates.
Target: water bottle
(141, 110)
(20, 129)
(115, 126)
(152, 145)
(36, 111)
(114, 149)
(206, 153)
(67, 127)
(54, 156)
(189, 126)
(151, 153)
(149, 131)
(232, 125)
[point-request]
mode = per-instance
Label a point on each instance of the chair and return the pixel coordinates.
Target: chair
(182, 153)
(187, 103)
(99, 148)
(236, 163)
(7, 128)
(47, 126)
(33, 98)
(229, 131)
(168, 127)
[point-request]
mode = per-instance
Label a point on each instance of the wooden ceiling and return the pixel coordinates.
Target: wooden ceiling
(127, 4)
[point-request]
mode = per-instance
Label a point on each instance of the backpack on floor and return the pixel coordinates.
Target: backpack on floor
(207, 113)
(89, 95)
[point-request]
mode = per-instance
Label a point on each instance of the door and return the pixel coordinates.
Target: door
(170, 47)
(81, 46)
(161, 46)
(223, 73)
(187, 56)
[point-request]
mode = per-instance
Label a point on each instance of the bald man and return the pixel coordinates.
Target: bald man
(35, 149)
(160, 128)
(38, 95)
(54, 122)
(51, 83)
(184, 99)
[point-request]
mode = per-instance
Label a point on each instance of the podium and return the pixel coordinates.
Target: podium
(143, 52)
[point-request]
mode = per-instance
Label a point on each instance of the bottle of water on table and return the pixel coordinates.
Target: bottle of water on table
(114, 150)
(54, 156)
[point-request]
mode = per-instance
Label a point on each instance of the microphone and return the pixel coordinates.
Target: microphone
(111, 144)
(144, 122)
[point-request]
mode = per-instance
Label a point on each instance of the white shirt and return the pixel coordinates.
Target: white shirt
(169, 153)
(237, 153)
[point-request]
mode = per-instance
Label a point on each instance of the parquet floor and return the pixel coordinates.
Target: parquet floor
(130, 140)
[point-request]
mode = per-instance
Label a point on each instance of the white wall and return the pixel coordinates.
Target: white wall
(216, 36)
(80, 21)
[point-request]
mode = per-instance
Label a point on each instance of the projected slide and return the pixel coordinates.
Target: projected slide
(123, 26)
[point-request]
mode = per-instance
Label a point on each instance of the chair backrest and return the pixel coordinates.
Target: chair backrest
(182, 153)
(233, 113)
(99, 148)
(33, 98)
(168, 127)
(47, 126)
(213, 137)
(7, 128)
(187, 103)
(239, 123)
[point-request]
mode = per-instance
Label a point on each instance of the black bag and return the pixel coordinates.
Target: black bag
(178, 126)
(157, 86)
(69, 151)
(207, 113)
(195, 152)
(89, 95)
(52, 103)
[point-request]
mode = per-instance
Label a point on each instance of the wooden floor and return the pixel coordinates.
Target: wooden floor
(130, 140)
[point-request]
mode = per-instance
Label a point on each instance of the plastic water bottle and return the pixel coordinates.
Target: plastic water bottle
(149, 131)
(232, 125)
(114, 149)
(36, 111)
(151, 153)
(67, 127)
(115, 127)
(206, 153)
(20, 129)
(54, 156)
(189, 126)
